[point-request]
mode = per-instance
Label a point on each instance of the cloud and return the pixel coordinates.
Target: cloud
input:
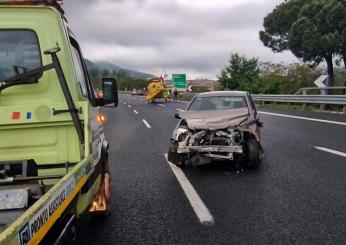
(192, 36)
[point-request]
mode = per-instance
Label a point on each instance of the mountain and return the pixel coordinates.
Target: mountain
(90, 65)
(109, 66)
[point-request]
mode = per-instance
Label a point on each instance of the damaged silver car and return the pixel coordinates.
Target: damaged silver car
(218, 126)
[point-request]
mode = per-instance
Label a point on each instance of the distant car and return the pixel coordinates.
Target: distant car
(218, 126)
(140, 92)
(137, 92)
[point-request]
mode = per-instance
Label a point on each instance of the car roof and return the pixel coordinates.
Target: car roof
(222, 93)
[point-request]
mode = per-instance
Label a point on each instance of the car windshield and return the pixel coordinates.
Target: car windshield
(19, 52)
(217, 103)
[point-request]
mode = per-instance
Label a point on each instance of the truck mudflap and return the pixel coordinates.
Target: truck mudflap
(102, 199)
(34, 224)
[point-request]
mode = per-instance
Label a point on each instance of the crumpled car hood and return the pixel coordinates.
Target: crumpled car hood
(216, 119)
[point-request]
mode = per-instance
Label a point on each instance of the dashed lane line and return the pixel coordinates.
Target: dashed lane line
(303, 118)
(136, 112)
(146, 123)
(198, 206)
(161, 105)
(339, 153)
(129, 106)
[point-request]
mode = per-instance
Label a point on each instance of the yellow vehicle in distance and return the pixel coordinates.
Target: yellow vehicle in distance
(156, 90)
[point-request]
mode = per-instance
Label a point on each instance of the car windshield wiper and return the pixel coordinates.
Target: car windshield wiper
(27, 77)
(17, 69)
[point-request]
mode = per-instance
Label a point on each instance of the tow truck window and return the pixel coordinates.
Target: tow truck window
(81, 79)
(19, 52)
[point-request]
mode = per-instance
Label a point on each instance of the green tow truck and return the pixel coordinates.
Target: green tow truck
(53, 152)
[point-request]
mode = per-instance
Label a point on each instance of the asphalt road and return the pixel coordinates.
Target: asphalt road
(297, 196)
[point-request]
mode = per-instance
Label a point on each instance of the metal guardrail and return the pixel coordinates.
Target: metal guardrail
(302, 96)
(304, 91)
(305, 99)
(321, 100)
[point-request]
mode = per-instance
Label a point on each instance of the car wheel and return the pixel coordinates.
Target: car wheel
(253, 154)
(176, 158)
(181, 163)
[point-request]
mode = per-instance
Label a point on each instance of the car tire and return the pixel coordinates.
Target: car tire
(176, 158)
(181, 164)
(253, 154)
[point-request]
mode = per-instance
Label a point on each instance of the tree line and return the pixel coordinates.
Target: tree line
(124, 81)
(313, 30)
(258, 77)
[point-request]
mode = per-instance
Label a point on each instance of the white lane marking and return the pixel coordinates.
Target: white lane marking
(196, 202)
(303, 118)
(339, 153)
(146, 123)
(161, 105)
(136, 112)
(129, 106)
(179, 109)
(183, 101)
(124, 103)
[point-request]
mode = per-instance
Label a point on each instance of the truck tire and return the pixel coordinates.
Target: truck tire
(253, 154)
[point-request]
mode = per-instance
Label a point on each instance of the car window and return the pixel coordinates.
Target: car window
(19, 52)
(217, 103)
(79, 71)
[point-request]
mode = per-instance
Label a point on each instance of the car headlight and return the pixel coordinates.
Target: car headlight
(180, 134)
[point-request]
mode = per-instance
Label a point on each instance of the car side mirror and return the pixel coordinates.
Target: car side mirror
(176, 115)
(110, 91)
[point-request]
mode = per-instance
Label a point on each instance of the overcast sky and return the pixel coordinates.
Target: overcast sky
(195, 37)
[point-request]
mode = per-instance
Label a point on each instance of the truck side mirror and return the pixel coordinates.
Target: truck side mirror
(110, 91)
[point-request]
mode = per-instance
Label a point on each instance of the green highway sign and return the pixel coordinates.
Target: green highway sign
(179, 81)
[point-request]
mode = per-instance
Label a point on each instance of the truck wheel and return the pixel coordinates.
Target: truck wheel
(253, 154)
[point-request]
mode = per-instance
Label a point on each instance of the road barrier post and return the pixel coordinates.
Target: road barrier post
(323, 92)
(304, 93)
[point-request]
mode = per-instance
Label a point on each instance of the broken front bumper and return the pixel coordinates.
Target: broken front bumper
(217, 149)
(182, 148)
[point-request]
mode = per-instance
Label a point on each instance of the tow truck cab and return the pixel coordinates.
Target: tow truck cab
(53, 153)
